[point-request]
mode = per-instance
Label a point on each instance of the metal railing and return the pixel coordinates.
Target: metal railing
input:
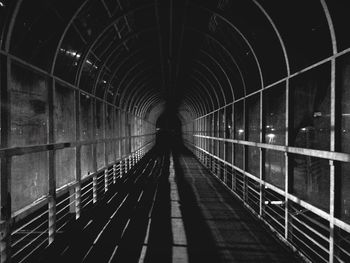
(302, 226)
(36, 226)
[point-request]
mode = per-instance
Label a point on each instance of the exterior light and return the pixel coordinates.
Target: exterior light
(271, 135)
(317, 114)
(240, 131)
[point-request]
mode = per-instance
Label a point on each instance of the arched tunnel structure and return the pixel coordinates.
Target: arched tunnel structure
(257, 90)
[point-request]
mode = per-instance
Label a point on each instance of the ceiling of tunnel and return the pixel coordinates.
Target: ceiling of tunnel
(193, 55)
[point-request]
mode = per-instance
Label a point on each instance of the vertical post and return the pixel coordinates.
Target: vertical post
(114, 132)
(105, 142)
(288, 175)
(245, 192)
(72, 200)
(52, 176)
(77, 157)
(331, 211)
(77, 200)
(94, 150)
(5, 209)
(206, 141)
(5, 234)
(333, 147)
(218, 169)
(52, 217)
(262, 157)
(5, 221)
(225, 144)
(94, 189)
(106, 179)
(114, 173)
(212, 146)
(234, 182)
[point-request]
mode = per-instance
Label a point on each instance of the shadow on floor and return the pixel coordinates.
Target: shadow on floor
(218, 227)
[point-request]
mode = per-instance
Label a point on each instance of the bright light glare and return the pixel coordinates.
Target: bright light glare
(240, 130)
(271, 135)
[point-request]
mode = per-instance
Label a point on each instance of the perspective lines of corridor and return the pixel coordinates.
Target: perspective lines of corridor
(174, 131)
(173, 211)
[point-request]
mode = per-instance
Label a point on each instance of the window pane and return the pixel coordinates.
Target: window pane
(109, 121)
(229, 134)
(86, 160)
(275, 168)
(89, 74)
(100, 155)
(69, 55)
(128, 134)
(253, 160)
(340, 17)
(311, 180)
(239, 133)
(99, 122)
(221, 115)
(275, 114)
(85, 117)
(311, 108)
(29, 179)
(65, 166)
(345, 193)
(36, 33)
(253, 134)
(110, 151)
(313, 30)
(229, 128)
(28, 107)
(64, 114)
(343, 82)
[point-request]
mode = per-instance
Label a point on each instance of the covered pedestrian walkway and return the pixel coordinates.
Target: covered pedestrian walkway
(97, 95)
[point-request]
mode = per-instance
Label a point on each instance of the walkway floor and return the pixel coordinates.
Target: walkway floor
(181, 215)
(218, 227)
